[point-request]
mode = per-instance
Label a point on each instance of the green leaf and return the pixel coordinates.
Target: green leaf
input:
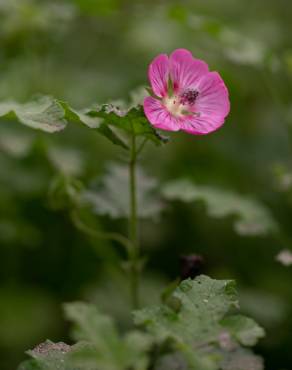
(93, 122)
(116, 123)
(50, 349)
(44, 114)
(241, 49)
(67, 161)
(131, 121)
(107, 199)
(90, 324)
(193, 320)
(242, 359)
(252, 217)
(114, 286)
(50, 356)
(109, 120)
(244, 329)
(15, 144)
(108, 350)
(203, 302)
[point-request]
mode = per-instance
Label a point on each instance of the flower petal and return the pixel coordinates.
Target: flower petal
(213, 97)
(159, 116)
(158, 74)
(210, 109)
(201, 125)
(185, 70)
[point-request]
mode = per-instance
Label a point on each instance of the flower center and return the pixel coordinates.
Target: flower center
(178, 105)
(173, 105)
(189, 97)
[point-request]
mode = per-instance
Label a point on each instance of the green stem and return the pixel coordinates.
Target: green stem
(133, 229)
(141, 147)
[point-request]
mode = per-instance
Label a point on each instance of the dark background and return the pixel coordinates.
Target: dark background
(86, 51)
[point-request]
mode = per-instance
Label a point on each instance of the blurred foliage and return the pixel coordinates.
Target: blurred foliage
(89, 52)
(252, 217)
(195, 323)
(107, 200)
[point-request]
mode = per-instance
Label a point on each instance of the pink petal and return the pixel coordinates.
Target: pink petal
(185, 70)
(213, 97)
(200, 125)
(158, 115)
(158, 74)
(212, 106)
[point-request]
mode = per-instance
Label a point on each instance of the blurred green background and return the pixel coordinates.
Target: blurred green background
(94, 51)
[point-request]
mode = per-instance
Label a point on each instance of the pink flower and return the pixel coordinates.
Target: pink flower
(188, 96)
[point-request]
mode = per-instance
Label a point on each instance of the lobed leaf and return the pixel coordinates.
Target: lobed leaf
(193, 312)
(116, 123)
(50, 356)
(107, 350)
(106, 198)
(15, 144)
(67, 161)
(252, 217)
(109, 120)
(94, 122)
(131, 121)
(244, 329)
(197, 320)
(242, 359)
(44, 114)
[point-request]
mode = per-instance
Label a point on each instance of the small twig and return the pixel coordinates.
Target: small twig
(80, 225)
